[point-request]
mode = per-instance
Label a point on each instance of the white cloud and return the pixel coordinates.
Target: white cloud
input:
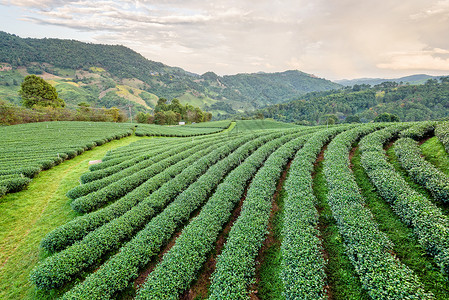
(429, 59)
(334, 39)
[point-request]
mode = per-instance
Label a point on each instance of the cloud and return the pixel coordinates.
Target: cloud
(430, 59)
(334, 39)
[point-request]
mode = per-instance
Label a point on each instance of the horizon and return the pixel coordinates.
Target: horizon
(321, 38)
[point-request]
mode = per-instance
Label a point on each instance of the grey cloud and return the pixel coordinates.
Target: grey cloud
(332, 39)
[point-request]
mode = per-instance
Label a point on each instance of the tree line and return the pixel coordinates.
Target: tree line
(173, 112)
(366, 103)
(41, 102)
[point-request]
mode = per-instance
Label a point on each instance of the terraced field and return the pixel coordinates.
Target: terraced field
(264, 210)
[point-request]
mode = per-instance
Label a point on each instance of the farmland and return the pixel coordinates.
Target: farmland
(225, 210)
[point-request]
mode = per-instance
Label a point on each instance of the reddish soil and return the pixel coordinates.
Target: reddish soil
(422, 141)
(351, 155)
(322, 227)
(320, 156)
(270, 239)
(389, 144)
(201, 287)
(145, 273)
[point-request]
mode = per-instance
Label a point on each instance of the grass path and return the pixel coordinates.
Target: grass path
(27, 216)
(434, 152)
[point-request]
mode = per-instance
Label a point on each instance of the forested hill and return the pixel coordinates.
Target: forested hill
(429, 101)
(114, 75)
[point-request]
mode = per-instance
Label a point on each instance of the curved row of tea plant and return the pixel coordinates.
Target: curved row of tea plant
(96, 193)
(303, 266)
(182, 262)
(214, 124)
(79, 227)
(116, 273)
(13, 183)
(235, 265)
(419, 130)
(142, 154)
(178, 130)
(30, 148)
(370, 251)
(442, 132)
(428, 222)
(420, 170)
(122, 154)
(119, 188)
(129, 161)
(65, 265)
(264, 124)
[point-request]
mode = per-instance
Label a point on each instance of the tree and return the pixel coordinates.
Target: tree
(207, 116)
(36, 91)
(114, 112)
(444, 79)
(141, 117)
(352, 119)
(159, 118)
(199, 115)
(161, 105)
(171, 117)
(386, 117)
(177, 107)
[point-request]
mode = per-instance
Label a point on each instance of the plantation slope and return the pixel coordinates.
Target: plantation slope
(30, 214)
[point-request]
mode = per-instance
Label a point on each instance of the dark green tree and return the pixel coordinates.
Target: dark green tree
(161, 105)
(36, 91)
(386, 117)
(352, 119)
(159, 118)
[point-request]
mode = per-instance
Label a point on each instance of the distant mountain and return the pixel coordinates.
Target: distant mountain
(412, 79)
(114, 75)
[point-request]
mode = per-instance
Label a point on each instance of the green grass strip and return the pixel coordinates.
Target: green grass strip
(434, 152)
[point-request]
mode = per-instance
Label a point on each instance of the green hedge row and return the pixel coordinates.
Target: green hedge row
(30, 148)
(428, 222)
(13, 183)
(181, 264)
(145, 154)
(370, 251)
(29, 171)
(235, 265)
(420, 170)
(419, 130)
(76, 229)
(442, 132)
(121, 187)
(65, 265)
(141, 145)
(178, 131)
(132, 163)
(116, 273)
(100, 191)
(129, 152)
(303, 266)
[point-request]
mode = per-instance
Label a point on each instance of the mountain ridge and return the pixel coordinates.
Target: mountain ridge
(411, 79)
(95, 69)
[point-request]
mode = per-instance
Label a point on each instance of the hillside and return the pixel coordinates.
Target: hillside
(113, 75)
(429, 101)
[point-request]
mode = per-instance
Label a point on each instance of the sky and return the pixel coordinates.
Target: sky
(342, 39)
